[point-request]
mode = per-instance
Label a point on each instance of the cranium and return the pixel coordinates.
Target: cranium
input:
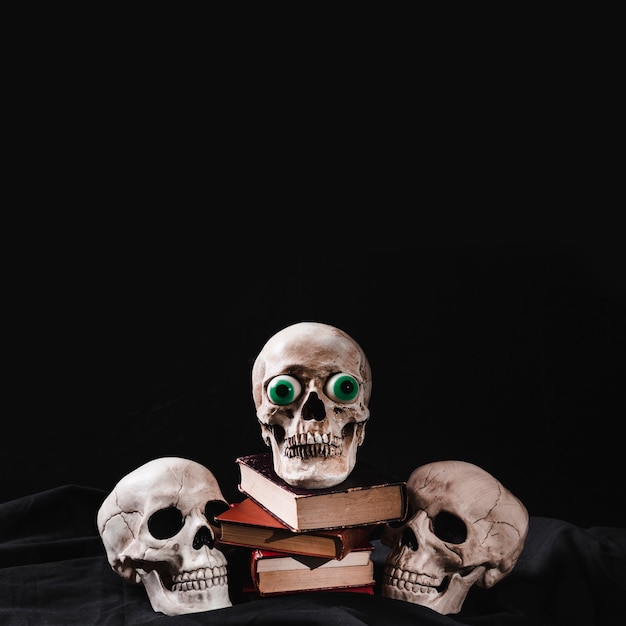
(464, 528)
(311, 385)
(156, 529)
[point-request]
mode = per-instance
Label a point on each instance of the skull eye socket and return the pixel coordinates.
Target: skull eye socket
(212, 509)
(342, 388)
(409, 539)
(165, 523)
(449, 528)
(283, 389)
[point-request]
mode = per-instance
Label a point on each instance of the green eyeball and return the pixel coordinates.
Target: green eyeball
(283, 389)
(342, 388)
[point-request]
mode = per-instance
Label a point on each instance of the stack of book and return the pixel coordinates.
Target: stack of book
(310, 539)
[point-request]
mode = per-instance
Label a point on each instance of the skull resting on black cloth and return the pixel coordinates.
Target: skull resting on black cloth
(463, 528)
(156, 526)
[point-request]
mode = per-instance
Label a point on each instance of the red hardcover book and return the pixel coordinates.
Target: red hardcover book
(248, 524)
(275, 573)
(367, 589)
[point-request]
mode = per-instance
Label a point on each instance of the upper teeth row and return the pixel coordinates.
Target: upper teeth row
(303, 438)
(410, 581)
(204, 573)
(192, 585)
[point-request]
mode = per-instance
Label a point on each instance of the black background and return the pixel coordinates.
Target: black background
(508, 353)
(455, 208)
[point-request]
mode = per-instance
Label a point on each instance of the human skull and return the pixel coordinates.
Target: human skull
(156, 529)
(464, 528)
(311, 385)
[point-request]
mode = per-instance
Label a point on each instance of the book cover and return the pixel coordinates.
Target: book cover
(249, 588)
(277, 573)
(248, 524)
(368, 496)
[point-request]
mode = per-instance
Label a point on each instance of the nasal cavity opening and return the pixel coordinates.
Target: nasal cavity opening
(313, 408)
(203, 538)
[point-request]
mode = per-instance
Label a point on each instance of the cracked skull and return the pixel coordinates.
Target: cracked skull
(156, 529)
(463, 528)
(311, 385)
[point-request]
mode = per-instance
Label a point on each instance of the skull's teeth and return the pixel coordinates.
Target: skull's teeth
(403, 579)
(203, 578)
(312, 445)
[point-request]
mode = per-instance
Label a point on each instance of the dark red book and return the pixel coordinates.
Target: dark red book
(248, 524)
(368, 589)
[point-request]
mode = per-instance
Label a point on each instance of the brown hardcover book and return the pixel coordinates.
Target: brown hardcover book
(368, 496)
(248, 524)
(278, 573)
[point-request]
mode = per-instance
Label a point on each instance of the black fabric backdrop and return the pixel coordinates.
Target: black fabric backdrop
(510, 356)
(462, 227)
(53, 572)
(507, 355)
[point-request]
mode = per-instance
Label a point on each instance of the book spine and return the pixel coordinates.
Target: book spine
(348, 540)
(254, 555)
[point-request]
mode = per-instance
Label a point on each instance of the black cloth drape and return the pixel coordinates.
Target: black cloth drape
(53, 571)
